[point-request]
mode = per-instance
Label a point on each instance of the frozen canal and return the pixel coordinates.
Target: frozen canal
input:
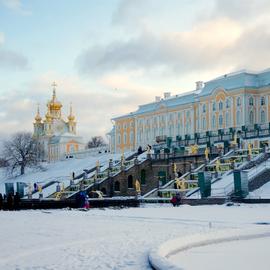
(108, 239)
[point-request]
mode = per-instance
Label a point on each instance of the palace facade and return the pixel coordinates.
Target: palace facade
(235, 100)
(57, 138)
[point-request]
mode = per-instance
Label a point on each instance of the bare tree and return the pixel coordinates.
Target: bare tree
(21, 151)
(96, 141)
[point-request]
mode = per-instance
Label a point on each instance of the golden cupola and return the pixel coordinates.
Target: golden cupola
(71, 117)
(54, 104)
(38, 117)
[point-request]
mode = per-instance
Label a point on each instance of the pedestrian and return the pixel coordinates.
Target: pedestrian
(173, 201)
(178, 198)
(10, 201)
(1, 201)
(35, 187)
(86, 205)
(17, 201)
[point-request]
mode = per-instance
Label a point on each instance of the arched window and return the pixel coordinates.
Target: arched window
(130, 181)
(238, 118)
(262, 116)
(214, 106)
(125, 138)
(251, 118)
(117, 186)
(214, 121)
(119, 138)
(238, 101)
(143, 177)
(220, 105)
(220, 120)
(228, 103)
(262, 101)
(251, 101)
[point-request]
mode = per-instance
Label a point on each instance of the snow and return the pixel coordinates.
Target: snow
(60, 170)
(263, 192)
(225, 253)
(111, 238)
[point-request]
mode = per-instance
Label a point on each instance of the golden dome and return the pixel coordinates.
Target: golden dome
(54, 104)
(48, 117)
(38, 117)
(71, 117)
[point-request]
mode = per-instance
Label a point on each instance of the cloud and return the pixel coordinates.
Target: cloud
(15, 5)
(12, 60)
(175, 51)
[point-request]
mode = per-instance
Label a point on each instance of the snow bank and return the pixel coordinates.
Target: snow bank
(159, 257)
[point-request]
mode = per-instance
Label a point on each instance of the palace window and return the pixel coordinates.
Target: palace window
(214, 121)
(131, 137)
(119, 138)
(204, 123)
(251, 118)
(228, 104)
(214, 106)
(227, 120)
(220, 106)
(262, 101)
(238, 118)
(204, 108)
(220, 120)
(238, 101)
(125, 138)
(262, 117)
(251, 101)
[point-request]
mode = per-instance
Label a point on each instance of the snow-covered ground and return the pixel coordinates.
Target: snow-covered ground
(112, 239)
(60, 170)
(226, 255)
(262, 193)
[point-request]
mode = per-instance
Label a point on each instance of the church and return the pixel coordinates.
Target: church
(57, 138)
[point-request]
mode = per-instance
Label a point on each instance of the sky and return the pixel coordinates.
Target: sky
(109, 56)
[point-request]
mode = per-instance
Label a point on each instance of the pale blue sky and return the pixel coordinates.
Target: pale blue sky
(108, 56)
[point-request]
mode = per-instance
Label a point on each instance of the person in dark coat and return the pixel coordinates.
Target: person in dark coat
(17, 201)
(1, 201)
(10, 201)
(140, 150)
(178, 199)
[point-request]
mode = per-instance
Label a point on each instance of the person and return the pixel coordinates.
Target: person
(140, 150)
(10, 201)
(35, 187)
(1, 201)
(86, 204)
(178, 198)
(17, 201)
(73, 175)
(173, 201)
(58, 188)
